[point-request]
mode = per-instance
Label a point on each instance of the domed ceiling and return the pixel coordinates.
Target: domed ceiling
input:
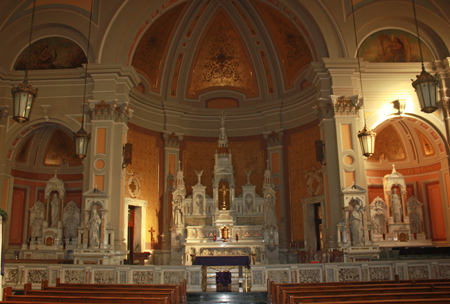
(225, 53)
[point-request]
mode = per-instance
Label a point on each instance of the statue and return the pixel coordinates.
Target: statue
(248, 203)
(396, 206)
(177, 211)
(199, 177)
(37, 219)
(379, 221)
(248, 173)
(94, 229)
(270, 214)
(199, 203)
(55, 210)
(356, 222)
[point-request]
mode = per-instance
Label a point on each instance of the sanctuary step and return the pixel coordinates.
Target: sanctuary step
(227, 297)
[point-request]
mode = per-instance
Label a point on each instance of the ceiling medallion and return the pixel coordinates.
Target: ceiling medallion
(222, 63)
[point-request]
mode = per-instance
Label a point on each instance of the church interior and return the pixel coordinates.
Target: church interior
(140, 138)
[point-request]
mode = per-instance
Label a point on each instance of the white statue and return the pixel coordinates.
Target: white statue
(55, 203)
(199, 177)
(379, 215)
(248, 173)
(270, 214)
(37, 213)
(356, 222)
(94, 229)
(396, 206)
(71, 219)
(248, 203)
(199, 204)
(177, 211)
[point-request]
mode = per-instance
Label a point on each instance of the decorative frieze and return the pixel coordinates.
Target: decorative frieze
(382, 273)
(348, 274)
(338, 106)
(274, 138)
(419, 272)
(37, 275)
(173, 277)
(74, 276)
(104, 277)
(278, 276)
(143, 277)
(309, 276)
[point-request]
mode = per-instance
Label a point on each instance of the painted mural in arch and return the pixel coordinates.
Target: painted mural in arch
(393, 46)
(51, 53)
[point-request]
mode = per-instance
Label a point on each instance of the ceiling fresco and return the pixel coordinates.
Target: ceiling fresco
(388, 145)
(293, 51)
(61, 149)
(152, 48)
(222, 61)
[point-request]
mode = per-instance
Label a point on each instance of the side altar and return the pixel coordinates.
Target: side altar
(224, 225)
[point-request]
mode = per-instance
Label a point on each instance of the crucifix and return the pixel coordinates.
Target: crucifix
(151, 235)
(224, 191)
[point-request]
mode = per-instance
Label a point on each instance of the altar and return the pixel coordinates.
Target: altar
(227, 226)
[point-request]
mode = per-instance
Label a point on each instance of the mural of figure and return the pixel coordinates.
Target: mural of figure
(395, 49)
(94, 229)
(356, 223)
(199, 204)
(37, 219)
(248, 203)
(55, 203)
(270, 214)
(396, 206)
(177, 211)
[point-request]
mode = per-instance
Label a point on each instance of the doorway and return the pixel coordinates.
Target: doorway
(318, 226)
(130, 239)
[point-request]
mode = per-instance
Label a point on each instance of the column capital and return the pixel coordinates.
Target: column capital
(109, 110)
(338, 106)
(172, 140)
(274, 138)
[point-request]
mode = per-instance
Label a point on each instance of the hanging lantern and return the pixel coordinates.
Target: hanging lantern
(23, 97)
(367, 141)
(81, 143)
(426, 89)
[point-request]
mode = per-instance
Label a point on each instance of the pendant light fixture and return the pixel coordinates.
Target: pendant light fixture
(82, 138)
(24, 95)
(425, 85)
(366, 137)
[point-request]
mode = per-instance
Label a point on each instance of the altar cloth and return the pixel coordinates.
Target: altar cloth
(223, 261)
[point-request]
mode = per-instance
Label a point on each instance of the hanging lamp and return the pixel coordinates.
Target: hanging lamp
(426, 84)
(24, 95)
(82, 138)
(366, 137)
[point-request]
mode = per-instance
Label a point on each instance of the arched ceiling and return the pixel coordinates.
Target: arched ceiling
(248, 51)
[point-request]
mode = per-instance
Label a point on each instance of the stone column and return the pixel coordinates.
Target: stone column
(171, 157)
(276, 162)
(107, 117)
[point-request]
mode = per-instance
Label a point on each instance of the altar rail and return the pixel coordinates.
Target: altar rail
(18, 274)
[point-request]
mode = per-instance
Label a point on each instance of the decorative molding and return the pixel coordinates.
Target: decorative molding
(274, 138)
(109, 110)
(346, 105)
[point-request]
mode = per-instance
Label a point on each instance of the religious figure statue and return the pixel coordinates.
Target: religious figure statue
(55, 203)
(94, 229)
(270, 214)
(248, 173)
(199, 177)
(37, 219)
(248, 203)
(224, 192)
(177, 211)
(379, 221)
(356, 222)
(199, 203)
(396, 206)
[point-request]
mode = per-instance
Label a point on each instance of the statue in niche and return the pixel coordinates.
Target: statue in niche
(248, 203)
(415, 215)
(224, 190)
(37, 213)
(177, 211)
(356, 223)
(379, 218)
(55, 203)
(94, 229)
(71, 220)
(199, 204)
(396, 206)
(270, 214)
(248, 173)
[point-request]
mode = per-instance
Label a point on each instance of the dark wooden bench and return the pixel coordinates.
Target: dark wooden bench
(405, 301)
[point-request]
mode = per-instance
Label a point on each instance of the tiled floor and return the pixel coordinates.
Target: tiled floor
(227, 297)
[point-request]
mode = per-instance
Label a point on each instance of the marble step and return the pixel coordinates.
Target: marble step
(227, 297)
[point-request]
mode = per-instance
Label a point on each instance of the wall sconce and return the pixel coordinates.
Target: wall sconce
(127, 155)
(320, 155)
